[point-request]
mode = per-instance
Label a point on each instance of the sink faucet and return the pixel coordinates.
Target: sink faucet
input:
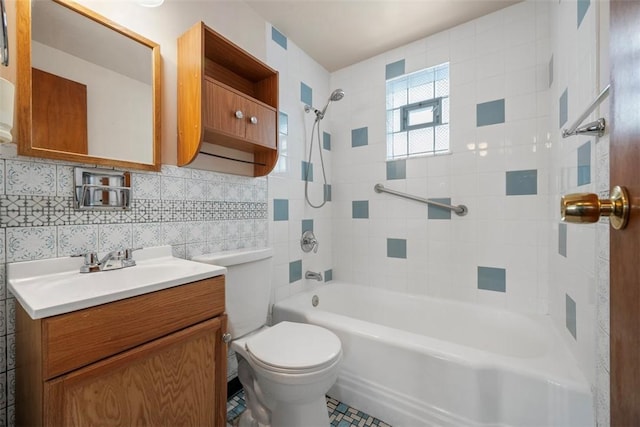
(313, 275)
(114, 260)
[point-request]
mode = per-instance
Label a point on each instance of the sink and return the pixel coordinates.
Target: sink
(55, 286)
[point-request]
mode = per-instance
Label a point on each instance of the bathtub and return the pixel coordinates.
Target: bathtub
(415, 361)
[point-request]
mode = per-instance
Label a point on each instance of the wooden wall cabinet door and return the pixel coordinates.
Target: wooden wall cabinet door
(264, 126)
(225, 110)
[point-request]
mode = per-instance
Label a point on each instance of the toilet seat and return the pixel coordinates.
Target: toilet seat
(294, 348)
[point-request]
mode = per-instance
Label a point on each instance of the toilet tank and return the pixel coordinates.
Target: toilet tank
(247, 287)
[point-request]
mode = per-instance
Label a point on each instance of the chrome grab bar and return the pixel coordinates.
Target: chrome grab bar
(593, 128)
(460, 210)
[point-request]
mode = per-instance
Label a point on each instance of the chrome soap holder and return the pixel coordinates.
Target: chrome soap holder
(102, 189)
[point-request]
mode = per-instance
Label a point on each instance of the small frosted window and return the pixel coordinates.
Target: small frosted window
(418, 113)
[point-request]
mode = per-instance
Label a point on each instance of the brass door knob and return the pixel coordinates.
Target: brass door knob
(586, 207)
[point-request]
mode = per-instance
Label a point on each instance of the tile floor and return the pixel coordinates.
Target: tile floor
(340, 414)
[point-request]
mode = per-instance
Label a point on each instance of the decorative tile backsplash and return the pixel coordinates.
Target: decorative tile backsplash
(194, 211)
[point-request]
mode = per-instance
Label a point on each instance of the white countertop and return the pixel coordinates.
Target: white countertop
(55, 286)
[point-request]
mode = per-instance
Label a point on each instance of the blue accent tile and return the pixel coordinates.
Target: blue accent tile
(564, 107)
(522, 183)
(307, 171)
(397, 169)
(360, 209)
(583, 6)
(490, 113)
(492, 279)
(571, 322)
(295, 271)
(342, 408)
(343, 423)
(397, 248)
(328, 275)
(584, 163)
(283, 123)
(562, 239)
(434, 212)
(551, 71)
(306, 94)
(278, 37)
(327, 192)
(326, 141)
(359, 137)
(280, 209)
(394, 69)
(307, 224)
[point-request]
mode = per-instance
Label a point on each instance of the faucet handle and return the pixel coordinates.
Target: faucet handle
(128, 253)
(91, 262)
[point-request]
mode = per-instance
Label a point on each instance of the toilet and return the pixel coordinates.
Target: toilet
(285, 369)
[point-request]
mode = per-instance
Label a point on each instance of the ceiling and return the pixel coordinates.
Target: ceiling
(339, 33)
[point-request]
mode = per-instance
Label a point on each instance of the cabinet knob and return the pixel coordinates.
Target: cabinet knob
(239, 114)
(254, 120)
(226, 338)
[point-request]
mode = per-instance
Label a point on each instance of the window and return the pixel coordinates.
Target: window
(418, 113)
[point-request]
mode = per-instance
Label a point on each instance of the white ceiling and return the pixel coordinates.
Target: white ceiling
(339, 33)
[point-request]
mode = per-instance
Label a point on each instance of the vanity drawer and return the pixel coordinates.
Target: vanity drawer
(79, 338)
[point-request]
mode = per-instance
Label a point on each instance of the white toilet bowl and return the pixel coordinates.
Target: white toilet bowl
(286, 370)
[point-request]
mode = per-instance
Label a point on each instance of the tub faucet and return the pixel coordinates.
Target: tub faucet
(313, 275)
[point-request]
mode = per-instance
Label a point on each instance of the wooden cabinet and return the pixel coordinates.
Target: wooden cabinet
(227, 106)
(156, 359)
(238, 120)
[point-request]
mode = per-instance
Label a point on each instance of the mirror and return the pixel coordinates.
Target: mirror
(4, 39)
(88, 89)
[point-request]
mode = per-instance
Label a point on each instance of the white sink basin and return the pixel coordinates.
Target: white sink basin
(55, 286)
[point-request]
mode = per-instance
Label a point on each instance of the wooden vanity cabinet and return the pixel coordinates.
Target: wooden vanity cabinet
(227, 106)
(155, 359)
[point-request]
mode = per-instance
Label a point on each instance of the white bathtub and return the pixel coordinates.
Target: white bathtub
(414, 361)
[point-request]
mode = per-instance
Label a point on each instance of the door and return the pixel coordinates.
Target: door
(172, 381)
(625, 244)
(225, 111)
(261, 124)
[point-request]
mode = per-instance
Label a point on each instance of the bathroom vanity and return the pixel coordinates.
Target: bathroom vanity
(156, 358)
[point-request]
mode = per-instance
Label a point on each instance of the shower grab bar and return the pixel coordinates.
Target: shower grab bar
(593, 128)
(460, 210)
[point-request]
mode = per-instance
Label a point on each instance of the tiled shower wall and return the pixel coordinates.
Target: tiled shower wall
(579, 254)
(302, 81)
(498, 168)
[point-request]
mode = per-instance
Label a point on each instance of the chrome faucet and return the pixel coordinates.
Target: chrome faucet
(114, 260)
(313, 275)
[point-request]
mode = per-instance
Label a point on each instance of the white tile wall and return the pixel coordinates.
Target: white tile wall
(294, 67)
(487, 63)
(581, 65)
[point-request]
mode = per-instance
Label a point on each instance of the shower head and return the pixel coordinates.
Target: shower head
(336, 95)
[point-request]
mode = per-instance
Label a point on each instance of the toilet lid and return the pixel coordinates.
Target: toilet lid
(295, 346)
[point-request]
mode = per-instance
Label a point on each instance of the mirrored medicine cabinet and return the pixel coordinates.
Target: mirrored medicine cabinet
(88, 89)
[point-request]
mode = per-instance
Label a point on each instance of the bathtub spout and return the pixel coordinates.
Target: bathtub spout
(313, 275)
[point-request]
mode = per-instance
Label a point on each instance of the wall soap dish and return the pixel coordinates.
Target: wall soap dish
(102, 189)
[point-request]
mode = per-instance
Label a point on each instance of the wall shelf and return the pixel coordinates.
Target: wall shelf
(227, 106)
